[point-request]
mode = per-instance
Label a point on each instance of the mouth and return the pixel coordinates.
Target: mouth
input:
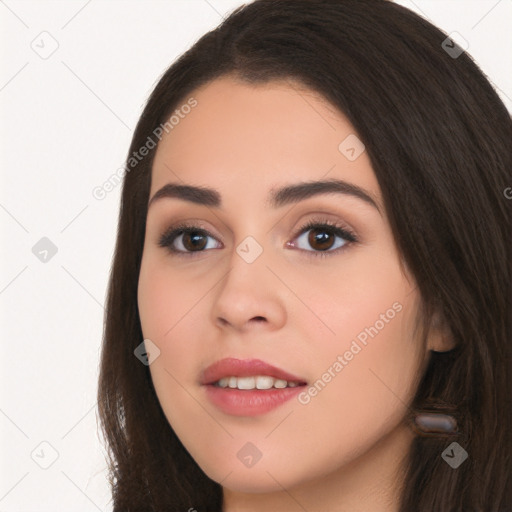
(249, 387)
(256, 382)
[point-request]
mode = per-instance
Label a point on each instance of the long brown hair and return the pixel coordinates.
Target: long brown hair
(439, 140)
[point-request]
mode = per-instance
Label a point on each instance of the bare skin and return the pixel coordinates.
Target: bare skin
(342, 448)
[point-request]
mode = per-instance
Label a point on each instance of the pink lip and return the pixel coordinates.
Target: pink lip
(241, 402)
(231, 367)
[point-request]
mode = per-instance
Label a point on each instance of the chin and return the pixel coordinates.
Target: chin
(261, 478)
(255, 483)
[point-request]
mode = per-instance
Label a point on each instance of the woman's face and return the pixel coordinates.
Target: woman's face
(334, 309)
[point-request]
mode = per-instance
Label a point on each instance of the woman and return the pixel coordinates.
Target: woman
(342, 341)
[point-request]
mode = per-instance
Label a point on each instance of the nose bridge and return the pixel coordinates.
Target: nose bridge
(249, 289)
(248, 265)
(250, 231)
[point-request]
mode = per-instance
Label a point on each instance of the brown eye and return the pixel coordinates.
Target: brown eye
(194, 241)
(186, 239)
(321, 237)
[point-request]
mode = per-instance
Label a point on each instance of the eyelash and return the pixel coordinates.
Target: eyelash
(168, 237)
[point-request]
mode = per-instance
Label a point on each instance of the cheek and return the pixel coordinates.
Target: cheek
(172, 313)
(163, 299)
(378, 363)
(368, 301)
(366, 369)
(358, 399)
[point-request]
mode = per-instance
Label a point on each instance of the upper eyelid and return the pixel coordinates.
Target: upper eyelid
(320, 217)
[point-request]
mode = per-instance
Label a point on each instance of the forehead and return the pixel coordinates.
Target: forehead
(250, 138)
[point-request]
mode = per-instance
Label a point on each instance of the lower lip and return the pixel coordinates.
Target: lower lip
(251, 402)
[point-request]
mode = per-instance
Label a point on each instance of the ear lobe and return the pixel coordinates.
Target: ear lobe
(440, 337)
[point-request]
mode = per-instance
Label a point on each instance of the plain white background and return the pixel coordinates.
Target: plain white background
(67, 119)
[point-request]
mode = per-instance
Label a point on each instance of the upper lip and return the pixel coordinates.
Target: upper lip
(232, 367)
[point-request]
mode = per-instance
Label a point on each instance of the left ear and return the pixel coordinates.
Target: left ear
(440, 338)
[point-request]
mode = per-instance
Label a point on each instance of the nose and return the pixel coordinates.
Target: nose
(250, 296)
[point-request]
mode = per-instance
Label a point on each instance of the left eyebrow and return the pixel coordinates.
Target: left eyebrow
(278, 196)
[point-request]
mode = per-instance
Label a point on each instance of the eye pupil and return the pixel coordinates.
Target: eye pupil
(191, 239)
(321, 238)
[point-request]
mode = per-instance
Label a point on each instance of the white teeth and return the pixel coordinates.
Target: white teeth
(279, 383)
(246, 382)
(256, 382)
(264, 382)
(223, 383)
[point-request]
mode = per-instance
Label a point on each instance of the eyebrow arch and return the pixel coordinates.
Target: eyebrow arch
(278, 196)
